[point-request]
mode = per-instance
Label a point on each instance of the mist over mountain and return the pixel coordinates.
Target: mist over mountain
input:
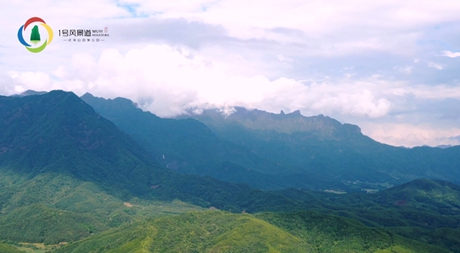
(322, 145)
(272, 151)
(444, 146)
(29, 93)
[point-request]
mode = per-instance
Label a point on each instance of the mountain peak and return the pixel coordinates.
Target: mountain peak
(29, 93)
(87, 95)
(296, 113)
(59, 132)
(104, 106)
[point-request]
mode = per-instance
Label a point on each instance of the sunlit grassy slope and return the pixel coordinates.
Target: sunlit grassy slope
(5, 248)
(52, 208)
(216, 231)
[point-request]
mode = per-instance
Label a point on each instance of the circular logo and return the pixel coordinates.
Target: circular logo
(35, 35)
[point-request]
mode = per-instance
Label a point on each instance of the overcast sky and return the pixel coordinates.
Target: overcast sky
(391, 67)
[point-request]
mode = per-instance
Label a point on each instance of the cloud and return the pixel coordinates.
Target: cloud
(353, 61)
(333, 26)
(22, 81)
(435, 65)
(456, 138)
(451, 54)
(427, 91)
(406, 69)
(410, 135)
(177, 31)
(170, 80)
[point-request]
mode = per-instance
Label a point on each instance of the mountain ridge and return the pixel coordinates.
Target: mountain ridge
(338, 150)
(286, 150)
(283, 122)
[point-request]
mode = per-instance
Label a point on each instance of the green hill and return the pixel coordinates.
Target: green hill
(51, 208)
(5, 248)
(39, 223)
(336, 234)
(422, 210)
(429, 195)
(214, 231)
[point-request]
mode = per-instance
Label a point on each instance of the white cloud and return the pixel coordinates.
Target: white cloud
(31, 80)
(434, 65)
(175, 79)
(436, 92)
(451, 54)
(168, 80)
(331, 27)
(204, 53)
(411, 135)
(406, 69)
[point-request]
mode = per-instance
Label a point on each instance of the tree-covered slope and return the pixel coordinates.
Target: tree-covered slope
(188, 146)
(329, 233)
(59, 133)
(40, 223)
(215, 231)
(5, 248)
(52, 208)
(423, 210)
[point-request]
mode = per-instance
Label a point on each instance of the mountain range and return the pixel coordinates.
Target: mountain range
(95, 175)
(274, 151)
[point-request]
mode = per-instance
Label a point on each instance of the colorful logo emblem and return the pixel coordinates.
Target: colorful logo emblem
(35, 35)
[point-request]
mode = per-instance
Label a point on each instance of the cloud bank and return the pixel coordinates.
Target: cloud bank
(390, 67)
